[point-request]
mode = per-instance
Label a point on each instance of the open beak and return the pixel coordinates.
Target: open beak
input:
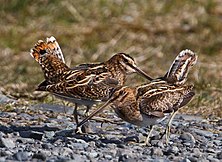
(142, 73)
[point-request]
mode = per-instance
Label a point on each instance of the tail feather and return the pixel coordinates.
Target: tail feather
(51, 47)
(180, 67)
(55, 49)
(49, 56)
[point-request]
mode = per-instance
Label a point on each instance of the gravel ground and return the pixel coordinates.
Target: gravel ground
(44, 133)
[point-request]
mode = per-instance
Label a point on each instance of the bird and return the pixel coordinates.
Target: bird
(84, 84)
(148, 104)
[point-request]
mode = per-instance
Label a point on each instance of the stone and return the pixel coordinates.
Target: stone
(21, 156)
(2, 159)
(93, 154)
(4, 99)
(186, 160)
(49, 134)
(173, 150)
(65, 151)
(6, 142)
(202, 132)
(196, 152)
(31, 134)
(39, 156)
(187, 138)
(46, 146)
(219, 155)
(193, 159)
(131, 139)
(123, 158)
(210, 150)
(156, 151)
(217, 142)
(212, 159)
(108, 157)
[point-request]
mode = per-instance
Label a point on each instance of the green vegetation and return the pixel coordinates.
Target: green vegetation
(153, 32)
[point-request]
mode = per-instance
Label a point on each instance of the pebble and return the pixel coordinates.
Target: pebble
(6, 142)
(108, 157)
(123, 158)
(202, 132)
(31, 134)
(212, 159)
(193, 159)
(93, 154)
(39, 156)
(173, 150)
(156, 151)
(187, 138)
(219, 155)
(196, 152)
(22, 156)
(4, 99)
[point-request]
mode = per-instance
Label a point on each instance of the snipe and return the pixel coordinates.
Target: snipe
(148, 104)
(84, 84)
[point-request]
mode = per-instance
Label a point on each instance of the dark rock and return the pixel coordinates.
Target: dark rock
(219, 155)
(6, 142)
(210, 150)
(31, 134)
(40, 156)
(21, 156)
(46, 146)
(131, 139)
(100, 144)
(123, 158)
(64, 133)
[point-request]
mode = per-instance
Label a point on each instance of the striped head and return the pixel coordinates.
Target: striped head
(179, 69)
(127, 64)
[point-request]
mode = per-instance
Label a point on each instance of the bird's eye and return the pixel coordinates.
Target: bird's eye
(125, 60)
(42, 52)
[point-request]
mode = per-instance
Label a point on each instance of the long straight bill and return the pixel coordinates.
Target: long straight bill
(95, 112)
(141, 72)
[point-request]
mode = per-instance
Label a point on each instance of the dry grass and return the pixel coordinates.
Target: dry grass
(153, 32)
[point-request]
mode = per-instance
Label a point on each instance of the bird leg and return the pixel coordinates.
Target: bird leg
(149, 134)
(75, 113)
(167, 131)
(86, 127)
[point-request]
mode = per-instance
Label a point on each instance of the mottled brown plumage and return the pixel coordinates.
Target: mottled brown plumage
(148, 104)
(84, 84)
